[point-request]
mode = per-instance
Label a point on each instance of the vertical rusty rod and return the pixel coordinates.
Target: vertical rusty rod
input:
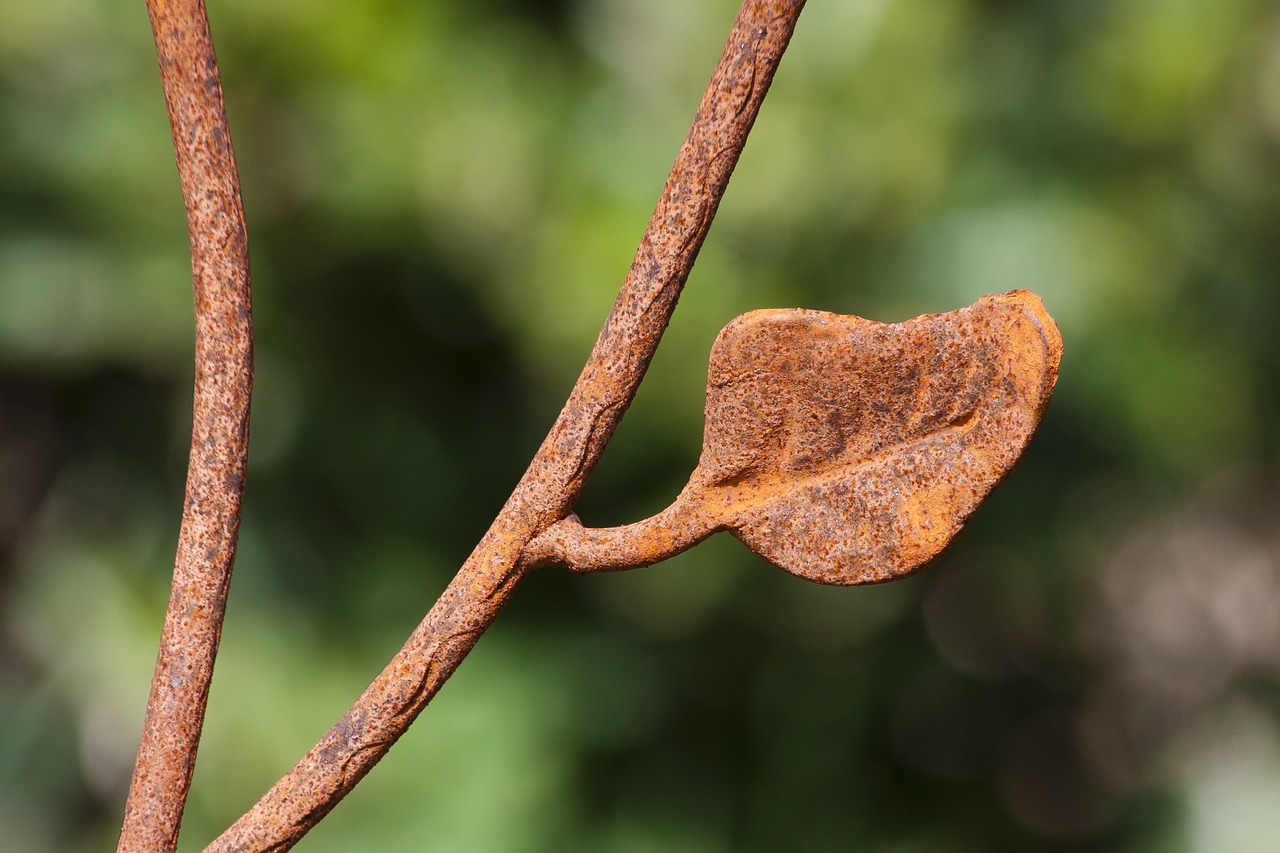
(219, 433)
(559, 470)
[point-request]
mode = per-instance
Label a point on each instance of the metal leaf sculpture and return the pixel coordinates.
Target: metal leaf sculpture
(844, 450)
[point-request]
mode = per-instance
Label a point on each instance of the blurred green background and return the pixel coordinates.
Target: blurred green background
(442, 200)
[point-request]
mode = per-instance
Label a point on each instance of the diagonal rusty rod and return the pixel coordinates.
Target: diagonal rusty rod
(219, 432)
(560, 468)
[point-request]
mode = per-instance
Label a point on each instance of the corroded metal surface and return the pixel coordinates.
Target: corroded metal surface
(843, 450)
(220, 428)
(559, 470)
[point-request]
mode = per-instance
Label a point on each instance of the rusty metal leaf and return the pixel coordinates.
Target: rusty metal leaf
(844, 450)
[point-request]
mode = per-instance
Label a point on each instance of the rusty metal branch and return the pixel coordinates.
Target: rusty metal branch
(220, 426)
(558, 472)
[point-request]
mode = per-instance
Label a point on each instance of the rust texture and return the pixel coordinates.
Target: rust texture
(220, 427)
(558, 471)
(843, 450)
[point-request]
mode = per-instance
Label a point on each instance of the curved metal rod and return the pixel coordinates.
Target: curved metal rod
(560, 468)
(219, 432)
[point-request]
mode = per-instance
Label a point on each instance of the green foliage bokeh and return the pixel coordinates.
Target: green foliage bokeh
(442, 199)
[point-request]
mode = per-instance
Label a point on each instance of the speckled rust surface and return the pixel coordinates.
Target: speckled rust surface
(219, 435)
(559, 470)
(843, 450)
